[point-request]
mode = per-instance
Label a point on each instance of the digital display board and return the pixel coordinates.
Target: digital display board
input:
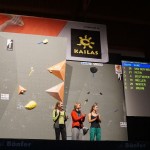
(136, 78)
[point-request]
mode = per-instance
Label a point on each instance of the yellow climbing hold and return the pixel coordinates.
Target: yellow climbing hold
(31, 105)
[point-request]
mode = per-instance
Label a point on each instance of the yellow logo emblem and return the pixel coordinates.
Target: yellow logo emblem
(86, 42)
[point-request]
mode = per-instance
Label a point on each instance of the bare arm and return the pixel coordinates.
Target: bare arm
(15, 20)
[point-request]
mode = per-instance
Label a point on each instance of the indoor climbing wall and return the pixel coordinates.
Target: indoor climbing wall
(31, 82)
(35, 75)
(88, 83)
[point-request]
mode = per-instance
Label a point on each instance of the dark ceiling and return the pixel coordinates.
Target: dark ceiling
(128, 24)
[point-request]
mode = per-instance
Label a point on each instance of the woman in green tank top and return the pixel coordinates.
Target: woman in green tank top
(94, 119)
(59, 118)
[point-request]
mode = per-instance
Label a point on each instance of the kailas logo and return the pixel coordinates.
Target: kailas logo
(86, 42)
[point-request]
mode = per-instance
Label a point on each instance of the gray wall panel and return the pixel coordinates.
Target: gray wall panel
(82, 85)
(15, 120)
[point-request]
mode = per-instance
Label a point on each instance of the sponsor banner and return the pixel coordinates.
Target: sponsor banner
(85, 41)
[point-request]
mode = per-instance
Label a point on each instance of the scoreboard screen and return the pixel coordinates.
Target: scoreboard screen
(136, 78)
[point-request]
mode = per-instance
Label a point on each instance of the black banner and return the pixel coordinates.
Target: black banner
(85, 43)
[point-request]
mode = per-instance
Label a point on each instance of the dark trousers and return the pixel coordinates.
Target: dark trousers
(61, 131)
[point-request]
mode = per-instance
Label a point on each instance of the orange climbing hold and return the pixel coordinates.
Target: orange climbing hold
(59, 70)
(21, 90)
(57, 91)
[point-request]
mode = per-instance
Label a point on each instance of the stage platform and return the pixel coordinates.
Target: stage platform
(32, 144)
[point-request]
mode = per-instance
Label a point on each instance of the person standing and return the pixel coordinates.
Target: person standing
(59, 118)
(77, 122)
(95, 120)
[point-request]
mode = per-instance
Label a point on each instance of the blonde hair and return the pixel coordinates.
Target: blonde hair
(75, 105)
